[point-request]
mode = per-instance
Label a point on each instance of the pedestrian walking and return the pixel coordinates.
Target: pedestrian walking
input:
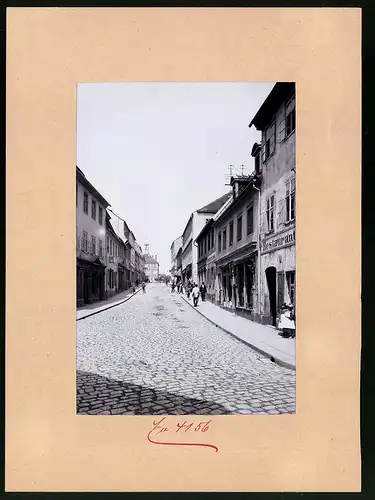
(195, 293)
(203, 290)
(144, 287)
(173, 286)
(133, 288)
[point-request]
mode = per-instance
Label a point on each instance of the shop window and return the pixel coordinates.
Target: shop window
(239, 227)
(291, 282)
(85, 202)
(93, 209)
(290, 200)
(231, 233)
(224, 239)
(270, 214)
(250, 219)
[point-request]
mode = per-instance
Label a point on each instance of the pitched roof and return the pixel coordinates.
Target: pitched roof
(279, 92)
(150, 260)
(215, 205)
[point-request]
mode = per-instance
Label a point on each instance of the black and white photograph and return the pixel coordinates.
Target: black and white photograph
(186, 248)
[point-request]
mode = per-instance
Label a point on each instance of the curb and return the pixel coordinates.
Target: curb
(278, 361)
(109, 307)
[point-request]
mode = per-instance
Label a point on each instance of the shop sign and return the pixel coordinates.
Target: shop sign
(280, 241)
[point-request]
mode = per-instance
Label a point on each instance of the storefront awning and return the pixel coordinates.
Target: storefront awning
(241, 255)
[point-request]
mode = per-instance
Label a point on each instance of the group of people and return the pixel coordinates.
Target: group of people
(190, 288)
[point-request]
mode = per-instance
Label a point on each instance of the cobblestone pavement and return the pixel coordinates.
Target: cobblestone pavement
(154, 355)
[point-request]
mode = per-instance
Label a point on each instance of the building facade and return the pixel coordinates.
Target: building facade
(90, 241)
(175, 247)
(195, 224)
(112, 260)
(275, 156)
(151, 267)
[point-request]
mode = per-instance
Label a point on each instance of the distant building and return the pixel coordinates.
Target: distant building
(112, 259)
(175, 247)
(151, 267)
(90, 241)
(196, 222)
(276, 160)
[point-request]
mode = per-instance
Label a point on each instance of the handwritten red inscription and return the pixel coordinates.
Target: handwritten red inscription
(160, 427)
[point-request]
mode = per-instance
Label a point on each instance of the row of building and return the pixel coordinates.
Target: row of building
(242, 245)
(109, 259)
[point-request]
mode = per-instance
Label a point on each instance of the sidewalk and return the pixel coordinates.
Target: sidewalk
(91, 309)
(262, 338)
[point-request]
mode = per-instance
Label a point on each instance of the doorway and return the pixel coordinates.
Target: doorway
(271, 283)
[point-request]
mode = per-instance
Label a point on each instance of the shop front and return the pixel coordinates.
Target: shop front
(90, 281)
(278, 268)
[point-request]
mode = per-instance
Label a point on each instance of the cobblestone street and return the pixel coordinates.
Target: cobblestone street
(156, 355)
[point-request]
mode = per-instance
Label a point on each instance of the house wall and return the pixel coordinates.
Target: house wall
(84, 222)
(278, 247)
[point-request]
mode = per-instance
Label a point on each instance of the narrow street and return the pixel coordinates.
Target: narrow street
(156, 355)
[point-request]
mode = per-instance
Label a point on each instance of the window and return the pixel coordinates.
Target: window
(93, 209)
(224, 239)
(100, 248)
(291, 281)
(212, 239)
(107, 245)
(250, 219)
(85, 242)
(231, 234)
(85, 202)
(101, 215)
(290, 117)
(239, 227)
(93, 245)
(290, 200)
(219, 242)
(269, 143)
(205, 245)
(270, 213)
(257, 163)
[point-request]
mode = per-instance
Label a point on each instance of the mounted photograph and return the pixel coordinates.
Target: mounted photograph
(186, 248)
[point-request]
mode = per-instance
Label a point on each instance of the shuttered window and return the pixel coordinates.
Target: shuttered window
(250, 219)
(268, 147)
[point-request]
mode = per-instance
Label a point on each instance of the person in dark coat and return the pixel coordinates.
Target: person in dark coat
(203, 291)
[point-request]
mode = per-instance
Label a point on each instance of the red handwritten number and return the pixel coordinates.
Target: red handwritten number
(161, 430)
(206, 426)
(184, 426)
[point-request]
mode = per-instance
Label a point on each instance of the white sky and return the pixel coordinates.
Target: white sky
(159, 151)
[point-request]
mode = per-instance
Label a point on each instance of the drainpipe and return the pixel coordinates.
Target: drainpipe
(259, 271)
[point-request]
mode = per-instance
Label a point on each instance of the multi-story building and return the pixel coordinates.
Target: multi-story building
(91, 238)
(175, 247)
(236, 248)
(275, 157)
(112, 259)
(206, 242)
(151, 267)
(139, 263)
(193, 227)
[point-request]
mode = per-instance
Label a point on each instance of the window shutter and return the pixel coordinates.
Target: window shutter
(281, 134)
(281, 212)
(263, 152)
